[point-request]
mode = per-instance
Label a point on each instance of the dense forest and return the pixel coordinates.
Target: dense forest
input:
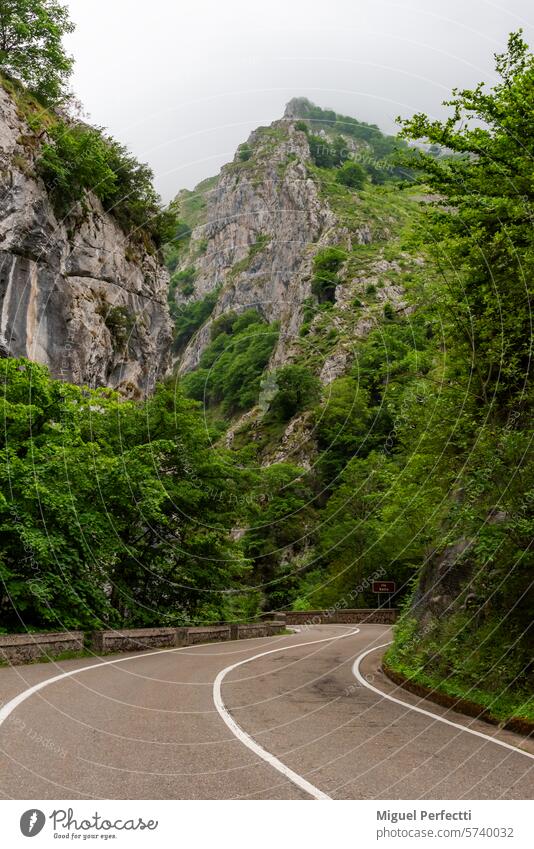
(116, 512)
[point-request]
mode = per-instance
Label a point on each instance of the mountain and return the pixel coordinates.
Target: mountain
(77, 293)
(318, 259)
(324, 324)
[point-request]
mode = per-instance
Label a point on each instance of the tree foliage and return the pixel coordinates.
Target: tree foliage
(79, 159)
(297, 388)
(352, 175)
(31, 49)
(485, 250)
(112, 512)
(230, 368)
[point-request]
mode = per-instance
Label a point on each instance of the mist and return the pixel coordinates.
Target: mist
(183, 84)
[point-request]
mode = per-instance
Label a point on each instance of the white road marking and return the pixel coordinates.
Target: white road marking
(251, 744)
(9, 707)
(358, 675)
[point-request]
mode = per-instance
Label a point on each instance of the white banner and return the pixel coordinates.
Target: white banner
(267, 824)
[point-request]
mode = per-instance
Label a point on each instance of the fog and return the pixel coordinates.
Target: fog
(182, 84)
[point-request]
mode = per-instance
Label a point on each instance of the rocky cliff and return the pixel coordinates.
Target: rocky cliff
(76, 294)
(261, 218)
(257, 227)
(260, 233)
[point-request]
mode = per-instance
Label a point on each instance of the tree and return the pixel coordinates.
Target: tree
(298, 388)
(111, 511)
(78, 159)
(485, 251)
(352, 175)
(31, 49)
(326, 264)
(232, 364)
(281, 521)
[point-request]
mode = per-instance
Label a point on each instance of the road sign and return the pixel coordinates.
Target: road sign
(383, 586)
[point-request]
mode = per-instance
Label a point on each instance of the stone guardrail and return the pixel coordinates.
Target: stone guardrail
(25, 648)
(22, 648)
(343, 616)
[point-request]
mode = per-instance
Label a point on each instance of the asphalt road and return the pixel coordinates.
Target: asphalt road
(148, 727)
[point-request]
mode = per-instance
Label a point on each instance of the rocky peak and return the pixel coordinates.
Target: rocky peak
(298, 107)
(258, 229)
(255, 242)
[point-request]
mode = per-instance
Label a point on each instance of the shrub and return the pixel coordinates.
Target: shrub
(326, 264)
(351, 174)
(189, 318)
(80, 159)
(326, 153)
(324, 286)
(298, 388)
(329, 259)
(244, 152)
(73, 162)
(120, 324)
(183, 281)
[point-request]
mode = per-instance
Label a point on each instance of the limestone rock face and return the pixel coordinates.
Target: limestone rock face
(252, 235)
(264, 222)
(76, 294)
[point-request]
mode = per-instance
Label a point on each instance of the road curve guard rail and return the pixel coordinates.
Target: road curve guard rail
(343, 616)
(30, 647)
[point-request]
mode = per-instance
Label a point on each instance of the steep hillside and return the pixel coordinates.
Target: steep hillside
(339, 327)
(77, 292)
(318, 257)
(257, 227)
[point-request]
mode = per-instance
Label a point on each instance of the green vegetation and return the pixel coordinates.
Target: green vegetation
(188, 318)
(370, 133)
(120, 324)
(182, 281)
(230, 368)
(491, 672)
(100, 507)
(327, 153)
(73, 159)
(326, 265)
(351, 174)
(31, 49)
(296, 390)
(80, 159)
(420, 461)
(244, 152)
(478, 449)
(281, 520)
(376, 152)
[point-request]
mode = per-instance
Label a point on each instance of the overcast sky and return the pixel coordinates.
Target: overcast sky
(183, 83)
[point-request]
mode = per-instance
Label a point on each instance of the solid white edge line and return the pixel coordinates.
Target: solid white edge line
(357, 674)
(10, 706)
(251, 744)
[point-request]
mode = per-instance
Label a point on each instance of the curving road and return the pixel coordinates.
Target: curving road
(292, 717)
